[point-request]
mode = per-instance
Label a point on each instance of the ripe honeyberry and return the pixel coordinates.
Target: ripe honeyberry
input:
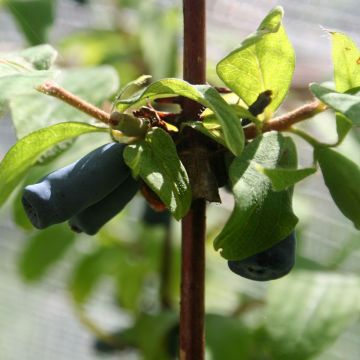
(67, 191)
(269, 264)
(94, 217)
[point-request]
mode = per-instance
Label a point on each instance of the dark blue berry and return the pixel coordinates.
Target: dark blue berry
(67, 191)
(269, 264)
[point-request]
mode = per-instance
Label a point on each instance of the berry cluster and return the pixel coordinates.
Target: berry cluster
(88, 192)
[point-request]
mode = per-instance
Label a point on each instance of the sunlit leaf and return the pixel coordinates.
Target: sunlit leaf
(261, 217)
(346, 60)
(25, 152)
(156, 161)
(263, 61)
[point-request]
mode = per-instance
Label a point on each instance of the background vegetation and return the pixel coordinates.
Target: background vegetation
(112, 280)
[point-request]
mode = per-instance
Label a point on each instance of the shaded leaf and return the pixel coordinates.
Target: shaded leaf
(159, 37)
(320, 305)
(105, 261)
(228, 338)
(34, 27)
(35, 110)
(261, 217)
(346, 60)
(342, 177)
(43, 250)
(156, 161)
(343, 126)
(348, 105)
(283, 178)
(264, 61)
(149, 334)
(25, 152)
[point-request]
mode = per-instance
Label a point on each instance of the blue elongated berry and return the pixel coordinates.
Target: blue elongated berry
(94, 217)
(67, 191)
(267, 265)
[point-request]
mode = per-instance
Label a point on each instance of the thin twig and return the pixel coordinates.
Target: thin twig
(53, 89)
(284, 122)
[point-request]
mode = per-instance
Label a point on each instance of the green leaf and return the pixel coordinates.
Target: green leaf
(156, 161)
(105, 261)
(321, 306)
(25, 152)
(282, 178)
(34, 27)
(203, 94)
(21, 72)
(150, 334)
(43, 250)
(264, 61)
(348, 105)
(34, 110)
(342, 177)
(261, 216)
(159, 37)
(228, 338)
(343, 126)
(42, 57)
(213, 133)
(346, 60)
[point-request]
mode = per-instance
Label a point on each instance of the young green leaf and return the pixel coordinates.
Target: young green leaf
(261, 216)
(342, 177)
(264, 61)
(346, 59)
(43, 250)
(321, 307)
(213, 133)
(346, 104)
(25, 152)
(229, 121)
(203, 94)
(156, 161)
(282, 178)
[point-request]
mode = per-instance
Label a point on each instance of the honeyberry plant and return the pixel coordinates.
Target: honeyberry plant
(177, 142)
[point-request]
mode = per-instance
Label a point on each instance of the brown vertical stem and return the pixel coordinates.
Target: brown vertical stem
(193, 225)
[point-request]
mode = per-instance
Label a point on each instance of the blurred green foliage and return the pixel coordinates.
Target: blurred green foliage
(295, 318)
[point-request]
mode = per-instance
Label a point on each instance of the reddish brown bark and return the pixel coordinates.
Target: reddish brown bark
(194, 223)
